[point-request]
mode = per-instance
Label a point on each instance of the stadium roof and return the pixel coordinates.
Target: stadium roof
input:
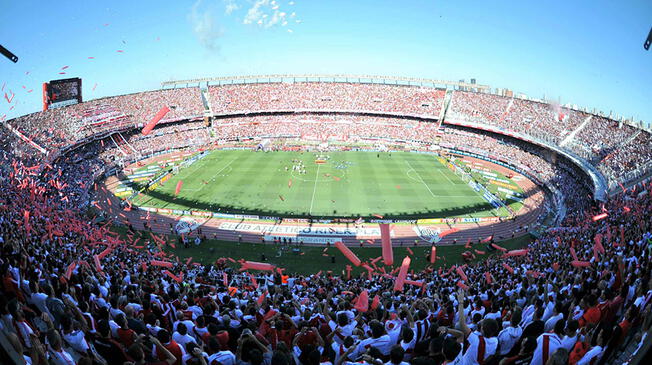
(391, 80)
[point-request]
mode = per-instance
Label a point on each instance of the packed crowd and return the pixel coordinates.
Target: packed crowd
(595, 140)
(341, 127)
(55, 128)
(516, 114)
(247, 98)
(610, 146)
(563, 176)
(628, 157)
(74, 292)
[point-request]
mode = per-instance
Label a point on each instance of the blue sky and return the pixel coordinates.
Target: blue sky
(587, 53)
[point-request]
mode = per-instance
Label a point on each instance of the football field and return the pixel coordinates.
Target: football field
(333, 184)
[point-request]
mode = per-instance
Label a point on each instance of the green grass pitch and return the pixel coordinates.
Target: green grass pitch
(349, 184)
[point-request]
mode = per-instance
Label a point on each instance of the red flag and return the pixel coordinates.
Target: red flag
(447, 232)
(253, 280)
(253, 265)
(498, 247)
(598, 243)
(26, 219)
(515, 253)
(261, 298)
(178, 188)
(96, 261)
(577, 263)
(461, 273)
(400, 279)
(508, 268)
(375, 302)
(573, 254)
(161, 113)
(387, 250)
(600, 216)
(166, 264)
(178, 279)
(415, 283)
(70, 269)
(362, 303)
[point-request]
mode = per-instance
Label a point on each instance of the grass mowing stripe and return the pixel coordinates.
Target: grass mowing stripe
(350, 183)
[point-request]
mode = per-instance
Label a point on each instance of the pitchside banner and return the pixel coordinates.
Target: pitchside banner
(298, 230)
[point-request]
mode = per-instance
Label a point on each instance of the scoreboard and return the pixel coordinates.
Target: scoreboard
(63, 92)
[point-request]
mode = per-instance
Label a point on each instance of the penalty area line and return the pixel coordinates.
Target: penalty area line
(214, 175)
(314, 189)
(420, 178)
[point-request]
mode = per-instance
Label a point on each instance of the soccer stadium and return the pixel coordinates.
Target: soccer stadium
(309, 218)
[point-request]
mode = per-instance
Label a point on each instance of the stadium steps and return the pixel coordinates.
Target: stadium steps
(117, 145)
(448, 98)
(509, 107)
(631, 138)
(571, 136)
(124, 140)
(206, 101)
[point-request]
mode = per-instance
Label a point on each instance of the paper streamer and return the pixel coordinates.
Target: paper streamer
(515, 253)
(253, 265)
(166, 264)
(402, 274)
(498, 247)
(388, 253)
(161, 113)
(348, 253)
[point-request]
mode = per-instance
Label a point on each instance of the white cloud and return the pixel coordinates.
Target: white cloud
(265, 13)
(230, 6)
(255, 12)
(205, 26)
(291, 3)
(290, 31)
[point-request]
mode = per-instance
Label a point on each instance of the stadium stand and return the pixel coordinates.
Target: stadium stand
(75, 292)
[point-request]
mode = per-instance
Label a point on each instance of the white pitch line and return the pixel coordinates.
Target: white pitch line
(215, 174)
(314, 189)
(420, 178)
(447, 178)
